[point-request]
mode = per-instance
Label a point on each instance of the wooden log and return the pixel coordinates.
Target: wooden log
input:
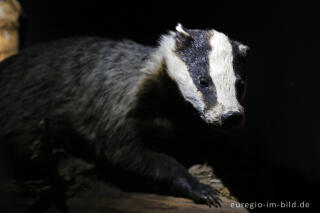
(124, 202)
(86, 193)
(108, 198)
(74, 186)
(10, 11)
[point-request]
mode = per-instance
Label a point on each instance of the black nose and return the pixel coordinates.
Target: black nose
(231, 118)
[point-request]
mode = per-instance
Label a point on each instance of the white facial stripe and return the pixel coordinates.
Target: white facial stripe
(178, 71)
(222, 74)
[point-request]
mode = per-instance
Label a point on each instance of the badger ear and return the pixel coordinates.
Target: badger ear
(240, 48)
(182, 33)
(243, 49)
(181, 30)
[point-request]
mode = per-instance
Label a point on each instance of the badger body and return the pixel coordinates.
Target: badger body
(114, 97)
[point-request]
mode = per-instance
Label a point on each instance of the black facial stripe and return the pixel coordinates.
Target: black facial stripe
(194, 51)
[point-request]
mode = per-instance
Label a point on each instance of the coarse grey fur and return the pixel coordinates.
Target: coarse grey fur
(81, 67)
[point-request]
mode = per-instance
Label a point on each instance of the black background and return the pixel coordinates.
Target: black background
(276, 156)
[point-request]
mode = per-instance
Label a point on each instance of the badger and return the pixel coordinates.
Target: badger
(100, 97)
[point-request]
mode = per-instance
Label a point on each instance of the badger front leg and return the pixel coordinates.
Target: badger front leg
(176, 179)
(161, 172)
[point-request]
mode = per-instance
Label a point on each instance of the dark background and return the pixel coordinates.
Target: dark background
(276, 156)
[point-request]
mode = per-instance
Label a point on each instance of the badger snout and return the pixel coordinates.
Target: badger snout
(225, 119)
(232, 119)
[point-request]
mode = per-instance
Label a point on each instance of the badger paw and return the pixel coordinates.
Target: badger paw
(198, 192)
(203, 193)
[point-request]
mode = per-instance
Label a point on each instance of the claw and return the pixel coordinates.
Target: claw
(215, 201)
(209, 204)
(218, 201)
(212, 198)
(202, 193)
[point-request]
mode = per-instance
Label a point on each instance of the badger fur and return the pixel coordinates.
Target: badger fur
(105, 94)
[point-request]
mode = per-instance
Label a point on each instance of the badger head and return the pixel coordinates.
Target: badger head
(207, 68)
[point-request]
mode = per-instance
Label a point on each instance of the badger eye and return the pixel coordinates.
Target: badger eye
(203, 82)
